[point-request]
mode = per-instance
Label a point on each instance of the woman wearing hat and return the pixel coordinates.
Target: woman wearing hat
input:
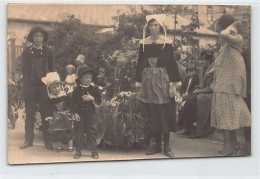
(37, 61)
(157, 75)
(229, 111)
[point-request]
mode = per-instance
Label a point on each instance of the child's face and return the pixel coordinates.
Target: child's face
(86, 79)
(70, 71)
(38, 39)
(55, 88)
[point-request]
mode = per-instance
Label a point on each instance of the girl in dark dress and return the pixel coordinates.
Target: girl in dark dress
(157, 77)
(57, 112)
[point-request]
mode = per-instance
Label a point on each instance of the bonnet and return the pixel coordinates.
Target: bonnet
(51, 77)
(160, 19)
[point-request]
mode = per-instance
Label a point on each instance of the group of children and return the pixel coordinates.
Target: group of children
(70, 109)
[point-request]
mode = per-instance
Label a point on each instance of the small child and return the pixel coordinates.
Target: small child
(70, 82)
(57, 112)
(84, 99)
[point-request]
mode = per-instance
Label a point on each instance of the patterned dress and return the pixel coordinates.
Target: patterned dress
(156, 67)
(229, 110)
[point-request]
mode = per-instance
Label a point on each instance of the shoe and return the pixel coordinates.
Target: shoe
(95, 155)
(77, 155)
(168, 152)
(236, 148)
(26, 145)
(59, 149)
(48, 146)
(227, 153)
(154, 149)
(70, 149)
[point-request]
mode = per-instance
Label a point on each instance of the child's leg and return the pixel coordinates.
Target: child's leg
(59, 146)
(79, 138)
(70, 145)
(91, 129)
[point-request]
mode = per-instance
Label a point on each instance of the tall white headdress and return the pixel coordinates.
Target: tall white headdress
(160, 19)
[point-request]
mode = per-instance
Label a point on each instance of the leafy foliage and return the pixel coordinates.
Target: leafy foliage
(122, 124)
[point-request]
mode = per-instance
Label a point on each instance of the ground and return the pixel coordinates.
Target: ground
(182, 147)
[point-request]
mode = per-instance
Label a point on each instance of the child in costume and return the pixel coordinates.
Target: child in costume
(57, 112)
(85, 97)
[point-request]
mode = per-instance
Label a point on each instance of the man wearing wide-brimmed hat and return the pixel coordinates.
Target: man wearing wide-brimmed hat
(37, 61)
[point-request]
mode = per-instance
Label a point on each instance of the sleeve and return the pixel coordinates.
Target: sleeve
(184, 85)
(231, 36)
(51, 61)
(74, 100)
(97, 96)
(140, 65)
(24, 57)
(48, 112)
(171, 65)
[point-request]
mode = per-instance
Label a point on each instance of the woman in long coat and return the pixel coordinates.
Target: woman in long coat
(229, 110)
(156, 75)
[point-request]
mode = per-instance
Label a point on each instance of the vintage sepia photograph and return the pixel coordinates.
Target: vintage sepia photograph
(116, 82)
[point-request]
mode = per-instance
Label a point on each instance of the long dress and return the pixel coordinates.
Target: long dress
(229, 110)
(156, 67)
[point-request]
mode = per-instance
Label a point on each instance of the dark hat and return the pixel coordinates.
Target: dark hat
(38, 29)
(225, 21)
(84, 69)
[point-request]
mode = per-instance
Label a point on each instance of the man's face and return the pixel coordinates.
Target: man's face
(86, 79)
(38, 39)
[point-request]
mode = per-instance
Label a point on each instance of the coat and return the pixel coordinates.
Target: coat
(36, 63)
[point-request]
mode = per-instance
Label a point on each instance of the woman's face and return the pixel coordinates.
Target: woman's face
(154, 27)
(55, 88)
(38, 39)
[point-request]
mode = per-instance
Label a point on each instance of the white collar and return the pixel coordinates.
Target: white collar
(84, 86)
(40, 48)
(160, 40)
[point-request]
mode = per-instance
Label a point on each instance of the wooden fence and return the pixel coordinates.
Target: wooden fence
(14, 53)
